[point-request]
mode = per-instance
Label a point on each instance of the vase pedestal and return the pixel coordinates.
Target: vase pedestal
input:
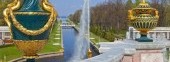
(30, 60)
(144, 38)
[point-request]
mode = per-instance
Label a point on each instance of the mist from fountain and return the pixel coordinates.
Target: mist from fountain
(82, 43)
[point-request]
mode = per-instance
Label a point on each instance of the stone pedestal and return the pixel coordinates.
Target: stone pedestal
(146, 52)
(131, 51)
(127, 59)
(148, 56)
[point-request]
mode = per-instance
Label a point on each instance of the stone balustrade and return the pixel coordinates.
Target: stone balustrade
(132, 51)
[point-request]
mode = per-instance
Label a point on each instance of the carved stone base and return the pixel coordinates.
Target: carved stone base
(30, 47)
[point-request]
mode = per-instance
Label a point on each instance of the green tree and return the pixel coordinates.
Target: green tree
(137, 2)
(129, 4)
(109, 19)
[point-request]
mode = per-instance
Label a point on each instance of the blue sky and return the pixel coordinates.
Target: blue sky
(67, 7)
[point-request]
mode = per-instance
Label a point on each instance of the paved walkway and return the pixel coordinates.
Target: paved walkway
(50, 57)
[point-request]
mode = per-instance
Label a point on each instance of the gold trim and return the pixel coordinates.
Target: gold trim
(156, 14)
(13, 6)
(48, 7)
(30, 57)
(130, 15)
(16, 4)
(32, 13)
(30, 40)
(32, 32)
(30, 47)
(143, 8)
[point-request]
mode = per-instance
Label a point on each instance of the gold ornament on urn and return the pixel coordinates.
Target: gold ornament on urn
(143, 18)
(30, 23)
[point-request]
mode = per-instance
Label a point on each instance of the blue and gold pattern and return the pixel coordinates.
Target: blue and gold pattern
(30, 23)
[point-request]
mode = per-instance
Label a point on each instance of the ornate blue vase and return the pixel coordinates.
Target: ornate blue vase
(30, 23)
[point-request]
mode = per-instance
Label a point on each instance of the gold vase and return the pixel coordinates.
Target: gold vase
(30, 47)
(143, 18)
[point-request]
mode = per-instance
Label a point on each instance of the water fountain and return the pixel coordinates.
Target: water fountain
(82, 42)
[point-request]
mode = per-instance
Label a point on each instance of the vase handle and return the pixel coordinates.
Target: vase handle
(156, 14)
(9, 12)
(130, 15)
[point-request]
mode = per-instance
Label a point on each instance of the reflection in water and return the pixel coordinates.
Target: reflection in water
(69, 36)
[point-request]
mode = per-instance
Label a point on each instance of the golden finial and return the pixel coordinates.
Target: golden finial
(89, 53)
(143, 1)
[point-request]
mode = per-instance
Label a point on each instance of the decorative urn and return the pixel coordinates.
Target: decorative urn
(30, 23)
(143, 18)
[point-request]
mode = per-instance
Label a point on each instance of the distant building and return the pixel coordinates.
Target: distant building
(4, 34)
(62, 18)
(154, 33)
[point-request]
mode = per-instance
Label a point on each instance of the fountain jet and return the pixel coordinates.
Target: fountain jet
(83, 42)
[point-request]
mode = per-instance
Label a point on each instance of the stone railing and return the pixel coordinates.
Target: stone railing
(132, 51)
(115, 54)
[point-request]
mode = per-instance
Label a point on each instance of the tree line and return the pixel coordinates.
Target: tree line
(109, 19)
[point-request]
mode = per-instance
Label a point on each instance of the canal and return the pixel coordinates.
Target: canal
(69, 34)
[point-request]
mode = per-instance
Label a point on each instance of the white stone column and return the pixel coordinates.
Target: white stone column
(1, 42)
(167, 35)
(3, 34)
(133, 35)
(3, 38)
(154, 35)
(127, 35)
(138, 34)
(148, 35)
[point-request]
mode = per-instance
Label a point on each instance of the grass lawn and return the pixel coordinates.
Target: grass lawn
(94, 38)
(11, 52)
(97, 39)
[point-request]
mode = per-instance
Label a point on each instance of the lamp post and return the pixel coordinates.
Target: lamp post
(30, 23)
